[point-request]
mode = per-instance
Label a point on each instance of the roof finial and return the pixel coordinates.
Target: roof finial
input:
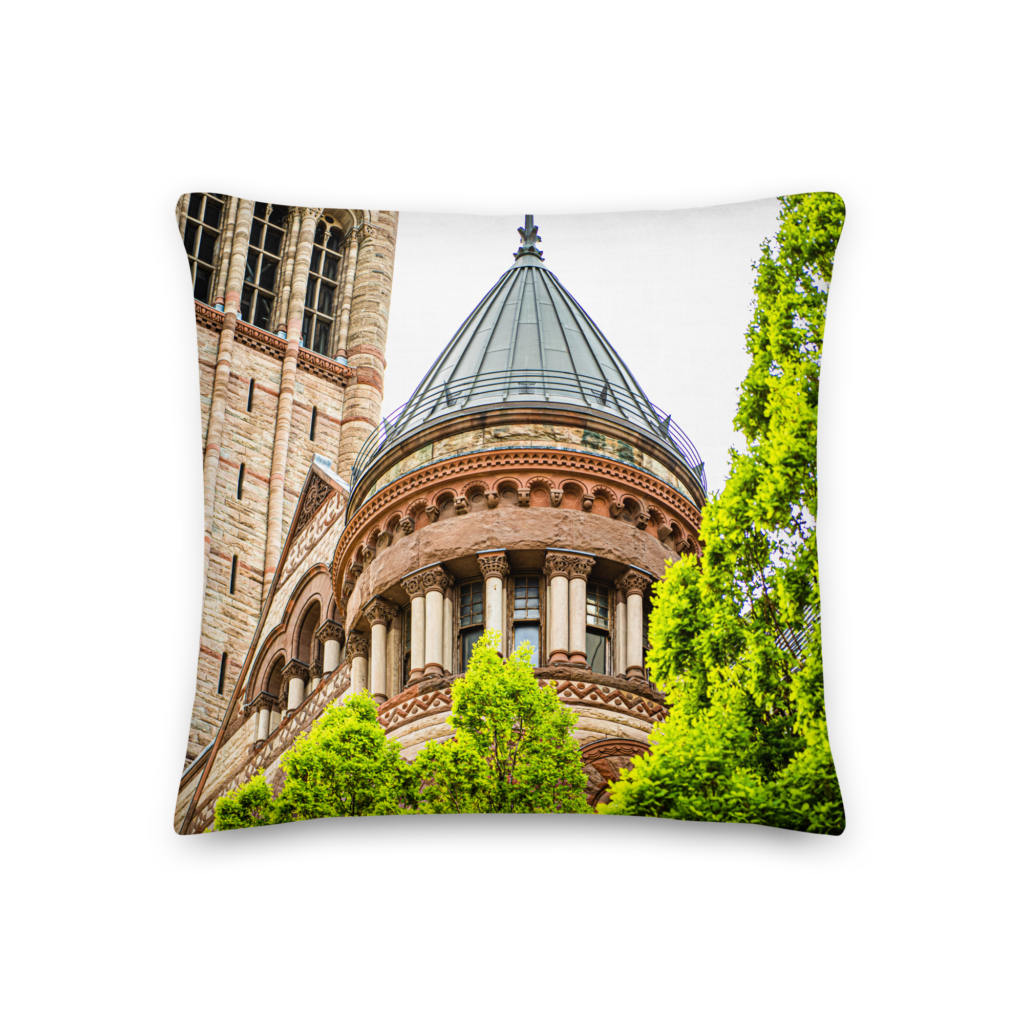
(529, 238)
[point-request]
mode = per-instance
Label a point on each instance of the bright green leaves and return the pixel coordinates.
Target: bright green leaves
(746, 738)
(250, 805)
(513, 750)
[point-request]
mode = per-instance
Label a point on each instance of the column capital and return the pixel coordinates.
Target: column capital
(493, 563)
(310, 211)
(263, 699)
(296, 669)
(633, 581)
(580, 566)
(377, 610)
(366, 232)
(572, 564)
(330, 630)
(316, 669)
(358, 646)
(434, 577)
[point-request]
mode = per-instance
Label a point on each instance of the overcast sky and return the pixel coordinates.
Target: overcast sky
(671, 290)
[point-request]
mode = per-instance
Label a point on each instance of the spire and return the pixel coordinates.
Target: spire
(529, 239)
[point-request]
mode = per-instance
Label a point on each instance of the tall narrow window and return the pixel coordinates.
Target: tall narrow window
(406, 646)
(471, 618)
(241, 479)
(261, 264)
(312, 425)
(223, 672)
(252, 389)
(598, 628)
(234, 573)
(324, 268)
(202, 234)
(526, 615)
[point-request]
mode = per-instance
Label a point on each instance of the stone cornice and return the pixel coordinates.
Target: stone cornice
(560, 461)
(271, 345)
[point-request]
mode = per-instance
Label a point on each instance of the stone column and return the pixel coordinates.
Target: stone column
(182, 212)
(435, 582)
(448, 626)
(579, 570)
(494, 567)
(316, 674)
(367, 335)
(417, 627)
(227, 240)
(282, 434)
(331, 634)
(356, 651)
(345, 312)
(379, 613)
(620, 631)
(263, 723)
(296, 672)
(556, 568)
(222, 375)
(634, 582)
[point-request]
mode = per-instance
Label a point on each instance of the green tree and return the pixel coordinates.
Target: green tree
(250, 805)
(513, 750)
(735, 636)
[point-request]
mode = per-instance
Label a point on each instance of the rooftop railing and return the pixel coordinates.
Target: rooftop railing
(502, 387)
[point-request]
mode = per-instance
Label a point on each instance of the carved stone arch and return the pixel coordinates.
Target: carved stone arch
(605, 502)
(475, 495)
(303, 626)
(273, 648)
(631, 509)
(540, 488)
(444, 502)
(416, 513)
(572, 494)
(507, 488)
(604, 761)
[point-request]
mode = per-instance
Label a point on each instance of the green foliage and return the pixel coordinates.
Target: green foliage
(250, 805)
(345, 766)
(513, 750)
(746, 739)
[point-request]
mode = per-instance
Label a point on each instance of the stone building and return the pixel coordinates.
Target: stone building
(528, 486)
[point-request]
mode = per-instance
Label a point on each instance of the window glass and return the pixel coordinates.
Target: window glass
(334, 241)
(597, 647)
(190, 237)
(260, 210)
(469, 638)
(268, 273)
(252, 258)
(195, 202)
(245, 306)
(526, 602)
(202, 288)
(529, 632)
(471, 603)
(272, 242)
(318, 238)
(597, 605)
(326, 300)
(330, 270)
(207, 242)
(262, 317)
(212, 214)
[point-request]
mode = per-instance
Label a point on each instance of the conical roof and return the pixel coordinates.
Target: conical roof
(529, 342)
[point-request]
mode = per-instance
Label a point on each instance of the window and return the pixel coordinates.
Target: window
(261, 264)
(312, 425)
(471, 619)
(321, 286)
(526, 615)
(202, 233)
(252, 388)
(241, 480)
(234, 573)
(406, 646)
(599, 628)
(223, 672)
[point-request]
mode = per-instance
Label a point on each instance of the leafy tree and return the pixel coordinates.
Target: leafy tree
(250, 805)
(513, 750)
(735, 635)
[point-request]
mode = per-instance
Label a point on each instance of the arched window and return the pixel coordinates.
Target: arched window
(202, 235)
(324, 269)
(308, 645)
(266, 239)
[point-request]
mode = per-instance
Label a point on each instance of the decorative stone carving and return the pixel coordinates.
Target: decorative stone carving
(358, 646)
(642, 519)
(296, 669)
(633, 581)
(493, 564)
(316, 494)
(664, 532)
(580, 566)
(262, 700)
(379, 610)
(432, 513)
(524, 497)
(330, 630)
(492, 498)
(366, 232)
(357, 569)
(557, 563)
(556, 497)
(369, 553)
(316, 669)
(406, 525)
(311, 211)
(348, 584)
(587, 502)
(461, 506)
(615, 509)
(435, 578)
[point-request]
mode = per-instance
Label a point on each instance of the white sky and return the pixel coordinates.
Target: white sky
(671, 290)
